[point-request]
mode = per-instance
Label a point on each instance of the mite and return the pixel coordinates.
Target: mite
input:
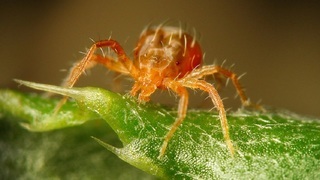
(164, 58)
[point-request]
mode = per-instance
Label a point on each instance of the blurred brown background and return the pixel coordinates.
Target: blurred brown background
(276, 43)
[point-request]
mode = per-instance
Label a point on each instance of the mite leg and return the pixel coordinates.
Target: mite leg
(220, 82)
(123, 64)
(82, 65)
(182, 111)
(213, 93)
(212, 69)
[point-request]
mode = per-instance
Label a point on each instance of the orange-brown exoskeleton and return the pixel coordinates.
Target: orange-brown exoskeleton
(164, 58)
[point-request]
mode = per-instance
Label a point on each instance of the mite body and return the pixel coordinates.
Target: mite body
(165, 58)
(163, 55)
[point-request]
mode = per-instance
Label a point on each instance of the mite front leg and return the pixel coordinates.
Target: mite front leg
(123, 64)
(81, 66)
(216, 100)
(182, 111)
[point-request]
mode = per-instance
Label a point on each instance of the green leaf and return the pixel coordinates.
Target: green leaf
(268, 145)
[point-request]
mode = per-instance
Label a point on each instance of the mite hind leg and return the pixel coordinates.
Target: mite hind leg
(213, 69)
(217, 101)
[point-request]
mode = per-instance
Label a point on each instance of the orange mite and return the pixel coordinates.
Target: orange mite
(165, 58)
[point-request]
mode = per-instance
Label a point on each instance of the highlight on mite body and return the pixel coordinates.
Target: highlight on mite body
(164, 58)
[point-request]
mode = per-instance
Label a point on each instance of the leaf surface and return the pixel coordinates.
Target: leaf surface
(268, 145)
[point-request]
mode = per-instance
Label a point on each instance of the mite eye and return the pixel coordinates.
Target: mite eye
(177, 63)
